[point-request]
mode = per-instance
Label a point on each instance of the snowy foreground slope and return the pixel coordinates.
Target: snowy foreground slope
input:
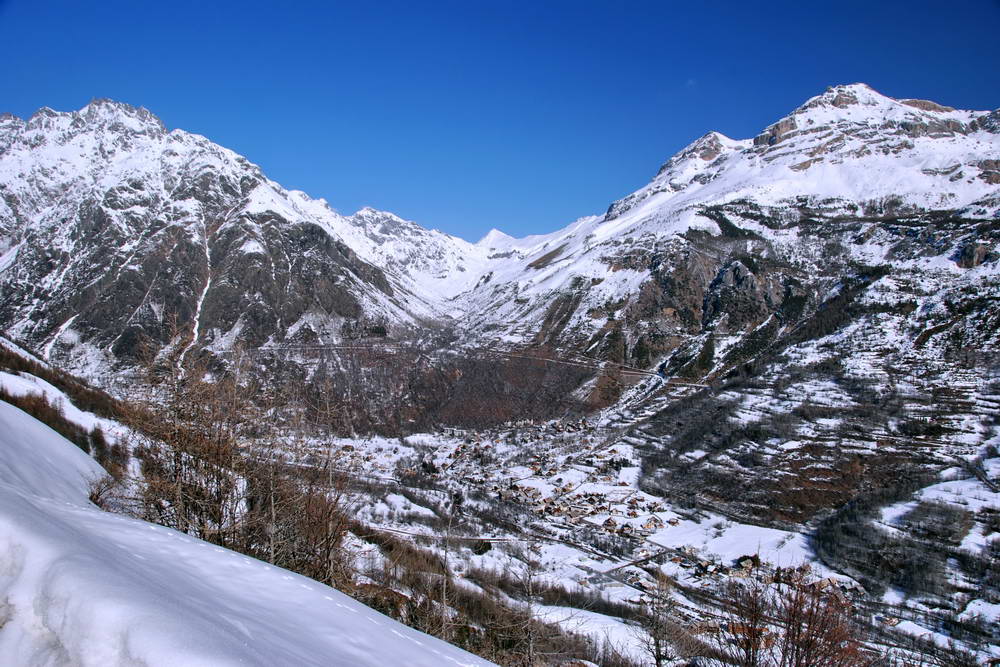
(80, 586)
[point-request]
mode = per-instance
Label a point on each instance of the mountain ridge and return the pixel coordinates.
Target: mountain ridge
(114, 231)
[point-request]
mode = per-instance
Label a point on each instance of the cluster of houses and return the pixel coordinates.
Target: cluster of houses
(629, 513)
(524, 431)
(584, 488)
(578, 426)
(543, 465)
(645, 529)
(345, 457)
(599, 459)
(751, 566)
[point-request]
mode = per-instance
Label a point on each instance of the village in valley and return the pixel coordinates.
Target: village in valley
(572, 491)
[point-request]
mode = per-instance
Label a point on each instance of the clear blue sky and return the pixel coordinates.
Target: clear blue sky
(476, 114)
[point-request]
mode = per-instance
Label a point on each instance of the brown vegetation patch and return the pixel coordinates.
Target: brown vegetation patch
(547, 258)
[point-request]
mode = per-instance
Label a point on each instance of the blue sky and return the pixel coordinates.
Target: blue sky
(469, 115)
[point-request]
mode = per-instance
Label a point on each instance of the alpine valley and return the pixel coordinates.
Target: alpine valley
(782, 350)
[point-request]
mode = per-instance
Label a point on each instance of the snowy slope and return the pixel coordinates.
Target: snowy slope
(80, 586)
(849, 143)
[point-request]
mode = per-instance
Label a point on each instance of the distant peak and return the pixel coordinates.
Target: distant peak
(854, 88)
(848, 95)
(706, 148)
(855, 102)
(44, 112)
(108, 102)
(369, 213)
(103, 114)
(493, 238)
(710, 145)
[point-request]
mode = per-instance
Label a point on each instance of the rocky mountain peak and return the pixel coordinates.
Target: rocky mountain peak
(856, 107)
(856, 102)
(116, 200)
(705, 149)
(843, 96)
(99, 115)
(870, 144)
(370, 214)
(383, 226)
(115, 115)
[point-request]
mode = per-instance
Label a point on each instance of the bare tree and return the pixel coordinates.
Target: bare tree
(656, 631)
(531, 569)
(816, 630)
(214, 448)
(745, 638)
(452, 506)
(787, 625)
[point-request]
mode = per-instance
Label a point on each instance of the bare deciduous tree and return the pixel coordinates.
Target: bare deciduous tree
(787, 625)
(656, 630)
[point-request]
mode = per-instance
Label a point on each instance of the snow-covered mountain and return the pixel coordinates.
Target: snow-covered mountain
(116, 231)
(849, 143)
(821, 303)
(848, 153)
